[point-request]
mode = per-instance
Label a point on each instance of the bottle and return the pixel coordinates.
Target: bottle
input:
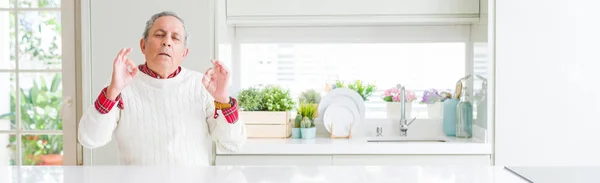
(464, 114)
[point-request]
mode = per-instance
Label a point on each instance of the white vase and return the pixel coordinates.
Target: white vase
(435, 110)
(394, 110)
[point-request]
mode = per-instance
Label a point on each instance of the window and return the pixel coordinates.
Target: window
(301, 58)
(31, 70)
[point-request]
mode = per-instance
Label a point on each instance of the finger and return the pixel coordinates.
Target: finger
(214, 62)
(119, 55)
(205, 81)
(134, 71)
(209, 72)
(224, 69)
(221, 67)
(127, 51)
(130, 64)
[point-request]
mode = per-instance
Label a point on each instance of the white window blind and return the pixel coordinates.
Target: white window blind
(301, 58)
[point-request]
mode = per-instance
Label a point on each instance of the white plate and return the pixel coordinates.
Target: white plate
(327, 100)
(345, 92)
(342, 128)
(341, 116)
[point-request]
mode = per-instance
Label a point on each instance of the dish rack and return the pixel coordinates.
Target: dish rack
(340, 137)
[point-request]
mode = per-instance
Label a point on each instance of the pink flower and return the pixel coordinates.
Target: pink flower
(391, 92)
(396, 98)
(410, 96)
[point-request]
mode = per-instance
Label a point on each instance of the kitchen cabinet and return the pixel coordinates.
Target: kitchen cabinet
(241, 8)
(352, 160)
(408, 160)
(273, 160)
(278, 12)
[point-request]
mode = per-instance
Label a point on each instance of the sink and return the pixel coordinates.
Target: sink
(399, 140)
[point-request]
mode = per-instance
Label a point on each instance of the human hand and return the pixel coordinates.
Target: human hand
(216, 80)
(124, 70)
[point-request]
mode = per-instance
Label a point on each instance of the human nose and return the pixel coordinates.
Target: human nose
(167, 42)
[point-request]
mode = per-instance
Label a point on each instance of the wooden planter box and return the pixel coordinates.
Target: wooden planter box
(267, 124)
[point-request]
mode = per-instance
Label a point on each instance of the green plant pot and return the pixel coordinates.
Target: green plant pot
(308, 133)
(296, 133)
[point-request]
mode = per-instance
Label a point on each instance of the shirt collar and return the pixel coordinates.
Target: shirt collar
(145, 69)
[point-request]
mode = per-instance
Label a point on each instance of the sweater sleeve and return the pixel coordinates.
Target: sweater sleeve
(227, 136)
(96, 127)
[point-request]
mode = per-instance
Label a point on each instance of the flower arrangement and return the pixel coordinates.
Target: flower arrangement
(432, 96)
(393, 95)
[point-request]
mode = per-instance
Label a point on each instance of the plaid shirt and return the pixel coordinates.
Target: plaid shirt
(103, 104)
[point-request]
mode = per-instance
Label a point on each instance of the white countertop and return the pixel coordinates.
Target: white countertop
(325, 145)
(343, 174)
(558, 174)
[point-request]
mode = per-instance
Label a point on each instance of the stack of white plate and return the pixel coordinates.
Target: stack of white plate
(341, 107)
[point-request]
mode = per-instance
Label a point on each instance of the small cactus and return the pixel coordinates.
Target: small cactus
(298, 121)
(306, 123)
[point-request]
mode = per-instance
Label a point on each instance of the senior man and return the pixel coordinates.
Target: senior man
(166, 115)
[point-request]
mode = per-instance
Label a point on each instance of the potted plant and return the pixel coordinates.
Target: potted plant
(365, 90)
(393, 106)
(306, 98)
(310, 96)
(307, 112)
(266, 111)
(250, 99)
(434, 100)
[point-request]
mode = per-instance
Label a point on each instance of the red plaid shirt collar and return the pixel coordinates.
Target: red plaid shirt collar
(145, 69)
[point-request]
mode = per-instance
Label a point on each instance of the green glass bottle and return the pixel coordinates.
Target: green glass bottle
(464, 113)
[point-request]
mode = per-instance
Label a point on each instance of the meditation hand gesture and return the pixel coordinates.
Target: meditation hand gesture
(124, 70)
(216, 81)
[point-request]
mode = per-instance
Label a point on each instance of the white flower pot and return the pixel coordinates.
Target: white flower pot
(394, 110)
(435, 110)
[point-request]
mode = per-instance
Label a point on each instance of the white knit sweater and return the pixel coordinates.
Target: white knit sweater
(164, 122)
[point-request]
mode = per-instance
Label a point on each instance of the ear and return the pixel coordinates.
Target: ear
(143, 45)
(185, 53)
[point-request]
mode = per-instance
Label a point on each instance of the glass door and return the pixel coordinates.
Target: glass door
(37, 83)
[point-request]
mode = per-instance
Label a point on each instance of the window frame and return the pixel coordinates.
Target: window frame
(69, 96)
(346, 34)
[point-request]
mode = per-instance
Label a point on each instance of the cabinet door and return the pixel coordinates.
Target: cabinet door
(270, 160)
(386, 160)
(295, 8)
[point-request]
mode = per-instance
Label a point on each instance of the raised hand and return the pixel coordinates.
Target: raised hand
(124, 70)
(216, 80)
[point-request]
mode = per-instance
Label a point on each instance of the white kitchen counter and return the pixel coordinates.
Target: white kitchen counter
(237, 174)
(325, 145)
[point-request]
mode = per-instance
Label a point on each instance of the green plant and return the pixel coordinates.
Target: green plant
(310, 96)
(307, 123)
(308, 110)
(250, 99)
(276, 98)
(298, 121)
(364, 90)
(40, 107)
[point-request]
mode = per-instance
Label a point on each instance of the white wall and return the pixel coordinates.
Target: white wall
(547, 82)
(116, 24)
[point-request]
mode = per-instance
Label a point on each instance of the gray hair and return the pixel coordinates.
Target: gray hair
(154, 17)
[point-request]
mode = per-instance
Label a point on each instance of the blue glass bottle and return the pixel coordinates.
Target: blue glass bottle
(464, 113)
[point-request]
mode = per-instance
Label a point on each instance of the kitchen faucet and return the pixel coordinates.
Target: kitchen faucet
(403, 122)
